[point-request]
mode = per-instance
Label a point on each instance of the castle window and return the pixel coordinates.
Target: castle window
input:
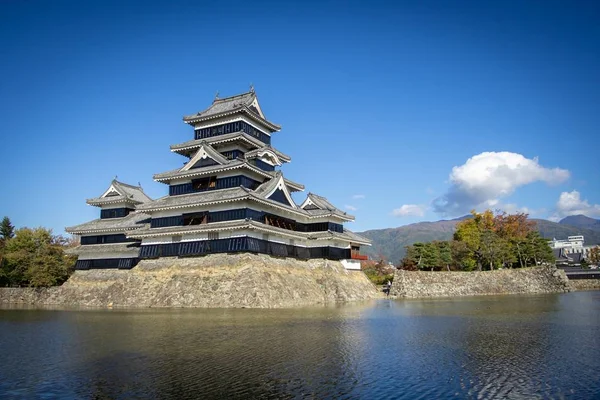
(195, 218)
(204, 183)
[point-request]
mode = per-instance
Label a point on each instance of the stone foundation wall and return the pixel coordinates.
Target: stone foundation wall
(415, 284)
(217, 280)
(585, 284)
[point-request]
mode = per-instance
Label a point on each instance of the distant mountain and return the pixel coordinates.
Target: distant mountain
(553, 230)
(581, 221)
(390, 242)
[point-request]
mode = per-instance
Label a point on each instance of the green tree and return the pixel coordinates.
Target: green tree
(412, 259)
(541, 252)
(445, 253)
(421, 256)
(35, 257)
(494, 249)
(7, 230)
(462, 257)
(469, 232)
(430, 256)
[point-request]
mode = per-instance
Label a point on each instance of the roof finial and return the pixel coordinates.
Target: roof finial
(251, 88)
(139, 184)
(217, 95)
(116, 177)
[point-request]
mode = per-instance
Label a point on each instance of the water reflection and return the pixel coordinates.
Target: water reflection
(490, 347)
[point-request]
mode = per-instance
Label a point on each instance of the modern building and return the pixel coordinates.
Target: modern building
(231, 196)
(104, 242)
(571, 251)
(572, 243)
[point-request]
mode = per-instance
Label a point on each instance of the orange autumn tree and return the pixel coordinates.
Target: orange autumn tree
(501, 239)
(487, 240)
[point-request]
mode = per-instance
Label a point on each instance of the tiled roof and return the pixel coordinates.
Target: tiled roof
(132, 221)
(225, 105)
(229, 195)
(185, 147)
(228, 137)
(269, 185)
(256, 152)
(294, 186)
(346, 235)
(576, 258)
(127, 193)
(171, 230)
(229, 105)
(357, 238)
(559, 254)
(91, 251)
(324, 205)
(212, 153)
(233, 164)
(194, 199)
(247, 224)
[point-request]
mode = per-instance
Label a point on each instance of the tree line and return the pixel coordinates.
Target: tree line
(33, 257)
(485, 241)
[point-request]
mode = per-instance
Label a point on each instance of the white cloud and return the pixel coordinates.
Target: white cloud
(511, 208)
(358, 196)
(410, 210)
(570, 203)
(487, 177)
(349, 207)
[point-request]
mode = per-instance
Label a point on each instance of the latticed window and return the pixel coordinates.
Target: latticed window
(231, 127)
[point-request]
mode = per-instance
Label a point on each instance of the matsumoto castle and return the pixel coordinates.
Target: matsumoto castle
(228, 197)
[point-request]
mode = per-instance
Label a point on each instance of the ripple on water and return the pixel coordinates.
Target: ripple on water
(488, 348)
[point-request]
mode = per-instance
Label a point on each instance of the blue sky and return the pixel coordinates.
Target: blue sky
(397, 112)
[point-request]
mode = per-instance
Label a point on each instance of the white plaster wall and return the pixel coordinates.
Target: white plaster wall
(351, 264)
(99, 256)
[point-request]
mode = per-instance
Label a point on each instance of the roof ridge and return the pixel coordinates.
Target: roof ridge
(232, 97)
(127, 184)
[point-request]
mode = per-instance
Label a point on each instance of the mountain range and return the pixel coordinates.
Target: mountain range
(389, 243)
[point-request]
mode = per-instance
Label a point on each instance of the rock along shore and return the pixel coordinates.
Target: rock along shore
(585, 284)
(217, 280)
(414, 284)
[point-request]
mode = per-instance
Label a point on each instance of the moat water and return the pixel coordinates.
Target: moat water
(545, 346)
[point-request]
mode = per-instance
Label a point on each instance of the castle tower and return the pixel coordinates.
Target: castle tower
(103, 243)
(231, 196)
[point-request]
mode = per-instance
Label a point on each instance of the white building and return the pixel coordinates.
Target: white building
(573, 244)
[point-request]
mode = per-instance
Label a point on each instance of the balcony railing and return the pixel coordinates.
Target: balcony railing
(358, 256)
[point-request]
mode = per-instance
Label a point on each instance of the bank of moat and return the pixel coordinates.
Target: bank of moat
(230, 196)
(541, 279)
(216, 280)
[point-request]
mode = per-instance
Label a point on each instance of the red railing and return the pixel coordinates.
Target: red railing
(357, 256)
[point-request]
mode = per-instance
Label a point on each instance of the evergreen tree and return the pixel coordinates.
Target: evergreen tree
(445, 253)
(7, 230)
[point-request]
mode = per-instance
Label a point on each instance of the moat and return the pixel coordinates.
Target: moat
(525, 346)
